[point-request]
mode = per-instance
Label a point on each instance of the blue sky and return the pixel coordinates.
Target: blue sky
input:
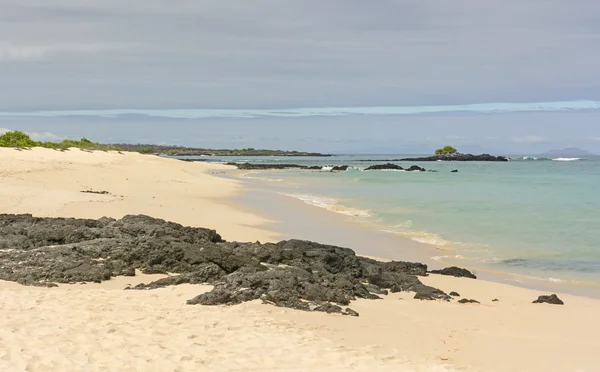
(329, 75)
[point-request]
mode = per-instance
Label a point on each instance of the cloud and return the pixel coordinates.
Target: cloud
(37, 136)
(488, 108)
(530, 139)
(595, 139)
(308, 53)
(43, 136)
(18, 53)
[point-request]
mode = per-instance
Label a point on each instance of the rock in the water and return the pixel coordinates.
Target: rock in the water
(415, 168)
(551, 299)
(254, 166)
(455, 271)
(467, 301)
(339, 168)
(454, 294)
(296, 274)
(386, 166)
(454, 171)
(495, 300)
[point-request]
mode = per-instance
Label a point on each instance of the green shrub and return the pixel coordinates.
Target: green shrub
(447, 150)
(19, 139)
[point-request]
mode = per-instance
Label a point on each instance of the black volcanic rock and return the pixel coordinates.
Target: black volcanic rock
(454, 171)
(467, 301)
(297, 274)
(386, 166)
(551, 299)
(455, 271)
(339, 168)
(454, 294)
(459, 157)
(390, 166)
(415, 168)
(256, 166)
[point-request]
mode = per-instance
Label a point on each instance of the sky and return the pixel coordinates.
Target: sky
(320, 75)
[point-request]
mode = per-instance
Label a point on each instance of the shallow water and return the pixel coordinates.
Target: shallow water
(535, 218)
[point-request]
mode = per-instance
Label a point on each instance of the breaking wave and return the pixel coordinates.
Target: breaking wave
(567, 159)
(330, 204)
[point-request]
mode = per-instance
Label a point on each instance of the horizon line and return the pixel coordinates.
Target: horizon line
(483, 108)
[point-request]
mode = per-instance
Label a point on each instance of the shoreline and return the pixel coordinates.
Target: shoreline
(289, 215)
(102, 327)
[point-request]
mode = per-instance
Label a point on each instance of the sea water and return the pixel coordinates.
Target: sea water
(537, 218)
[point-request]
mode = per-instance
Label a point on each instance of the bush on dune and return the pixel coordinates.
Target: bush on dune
(19, 139)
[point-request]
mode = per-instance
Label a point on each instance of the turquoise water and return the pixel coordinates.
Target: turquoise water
(534, 218)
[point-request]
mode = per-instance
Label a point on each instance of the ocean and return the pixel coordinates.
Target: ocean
(533, 218)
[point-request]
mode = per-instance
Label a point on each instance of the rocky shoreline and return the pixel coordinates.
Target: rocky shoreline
(297, 274)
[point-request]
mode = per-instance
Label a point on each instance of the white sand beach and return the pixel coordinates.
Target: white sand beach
(101, 327)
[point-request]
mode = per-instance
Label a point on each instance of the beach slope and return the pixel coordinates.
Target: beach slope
(101, 327)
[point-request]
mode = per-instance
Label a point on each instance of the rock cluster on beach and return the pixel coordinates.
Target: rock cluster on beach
(297, 274)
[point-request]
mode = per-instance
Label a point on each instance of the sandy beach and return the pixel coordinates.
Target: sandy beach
(101, 327)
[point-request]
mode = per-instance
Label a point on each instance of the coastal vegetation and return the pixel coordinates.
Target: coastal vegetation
(192, 151)
(22, 140)
(447, 150)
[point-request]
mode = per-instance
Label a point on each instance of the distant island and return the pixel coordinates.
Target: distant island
(573, 152)
(449, 153)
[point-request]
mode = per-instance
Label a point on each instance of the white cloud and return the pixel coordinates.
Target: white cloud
(42, 136)
(37, 136)
(10, 52)
(530, 139)
(597, 139)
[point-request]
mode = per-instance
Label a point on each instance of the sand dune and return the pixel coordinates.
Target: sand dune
(101, 327)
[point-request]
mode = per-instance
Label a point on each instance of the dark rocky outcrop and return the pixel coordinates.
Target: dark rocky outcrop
(260, 166)
(454, 294)
(551, 299)
(386, 166)
(256, 166)
(459, 157)
(467, 301)
(390, 166)
(455, 271)
(294, 273)
(454, 171)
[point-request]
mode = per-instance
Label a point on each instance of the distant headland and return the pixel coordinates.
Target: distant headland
(567, 152)
(21, 140)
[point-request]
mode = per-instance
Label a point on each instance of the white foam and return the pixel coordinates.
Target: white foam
(327, 168)
(431, 239)
(330, 204)
(566, 159)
